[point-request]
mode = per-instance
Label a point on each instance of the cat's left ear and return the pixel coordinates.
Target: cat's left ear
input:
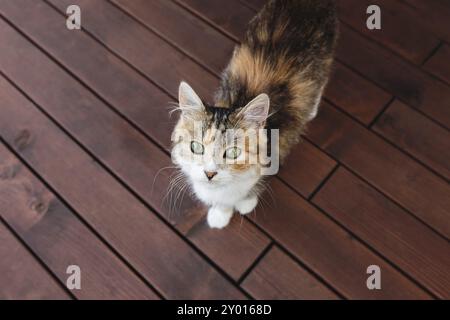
(255, 113)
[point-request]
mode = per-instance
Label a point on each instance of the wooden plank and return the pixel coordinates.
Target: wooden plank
(431, 14)
(135, 160)
(203, 40)
(23, 278)
(349, 91)
(169, 66)
(389, 229)
(305, 168)
(231, 24)
(330, 252)
(255, 4)
(156, 252)
(399, 31)
(163, 17)
(279, 277)
(355, 95)
(417, 135)
(439, 63)
(407, 82)
(438, 6)
(385, 167)
(59, 239)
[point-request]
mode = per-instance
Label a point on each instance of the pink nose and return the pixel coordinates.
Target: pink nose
(210, 174)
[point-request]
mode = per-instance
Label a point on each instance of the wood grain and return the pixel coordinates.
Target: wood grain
(203, 44)
(355, 95)
(234, 22)
(278, 277)
(22, 277)
(57, 236)
(417, 135)
(407, 82)
(255, 4)
(163, 17)
(305, 168)
(439, 63)
(385, 167)
(114, 28)
(433, 15)
(389, 229)
(399, 30)
(332, 253)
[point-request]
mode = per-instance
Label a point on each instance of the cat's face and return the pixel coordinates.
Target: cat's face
(218, 146)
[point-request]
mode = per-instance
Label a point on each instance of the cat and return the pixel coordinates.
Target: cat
(274, 80)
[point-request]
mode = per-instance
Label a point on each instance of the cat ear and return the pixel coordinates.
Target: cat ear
(190, 104)
(255, 113)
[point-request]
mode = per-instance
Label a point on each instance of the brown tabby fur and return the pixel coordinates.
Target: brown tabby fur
(287, 53)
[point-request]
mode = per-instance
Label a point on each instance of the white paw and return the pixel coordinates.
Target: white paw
(219, 217)
(247, 205)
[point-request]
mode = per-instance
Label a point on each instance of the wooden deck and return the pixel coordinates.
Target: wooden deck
(85, 132)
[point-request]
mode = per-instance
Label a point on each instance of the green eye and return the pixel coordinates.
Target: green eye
(196, 148)
(232, 153)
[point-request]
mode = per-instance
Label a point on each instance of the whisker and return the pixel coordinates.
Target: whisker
(157, 174)
(176, 192)
(174, 183)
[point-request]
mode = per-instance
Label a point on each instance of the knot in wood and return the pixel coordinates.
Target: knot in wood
(23, 139)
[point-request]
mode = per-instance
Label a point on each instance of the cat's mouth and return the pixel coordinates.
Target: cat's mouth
(211, 183)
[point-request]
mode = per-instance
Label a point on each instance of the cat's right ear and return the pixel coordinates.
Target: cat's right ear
(190, 104)
(255, 113)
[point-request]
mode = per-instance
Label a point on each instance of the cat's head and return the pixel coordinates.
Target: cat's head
(216, 146)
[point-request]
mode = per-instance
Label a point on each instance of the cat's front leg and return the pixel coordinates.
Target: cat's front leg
(219, 216)
(247, 205)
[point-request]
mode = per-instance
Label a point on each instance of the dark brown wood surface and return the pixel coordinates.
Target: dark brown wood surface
(432, 14)
(409, 83)
(39, 218)
(384, 166)
(414, 44)
(439, 64)
(277, 276)
(416, 135)
(388, 228)
(85, 158)
(22, 275)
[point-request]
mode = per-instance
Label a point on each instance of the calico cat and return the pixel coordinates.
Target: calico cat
(274, 80)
